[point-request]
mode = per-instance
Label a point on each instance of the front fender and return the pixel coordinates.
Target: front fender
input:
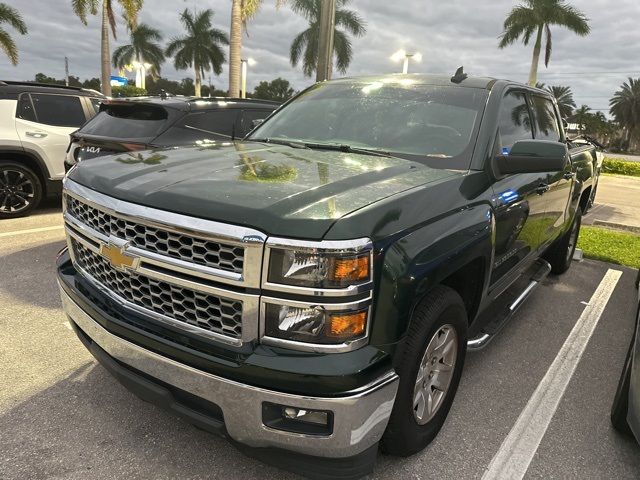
(416, 262)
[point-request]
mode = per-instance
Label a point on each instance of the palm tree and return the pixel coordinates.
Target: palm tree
(535, 17)
(308, 41)
(241, 12)
(143, 48)
(11, 16)
(580, 116)
(564, 98)
(82, 8)
(200, 48)
(625, 107)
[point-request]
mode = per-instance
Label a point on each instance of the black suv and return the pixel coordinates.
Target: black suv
(155, 122)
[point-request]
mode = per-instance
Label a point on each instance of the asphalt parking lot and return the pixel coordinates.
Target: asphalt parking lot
(62, 416)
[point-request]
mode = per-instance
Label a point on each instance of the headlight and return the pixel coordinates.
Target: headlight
(315, 324)
(345, 265)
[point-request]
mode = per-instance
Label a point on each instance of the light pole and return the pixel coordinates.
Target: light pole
(246, 62)
(405, 56)
(141, 73)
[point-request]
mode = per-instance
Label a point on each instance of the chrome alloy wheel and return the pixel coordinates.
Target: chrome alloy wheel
(17, 191)
(435, 374)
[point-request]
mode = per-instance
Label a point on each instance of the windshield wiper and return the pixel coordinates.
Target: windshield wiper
(279, 141)
(339, 147)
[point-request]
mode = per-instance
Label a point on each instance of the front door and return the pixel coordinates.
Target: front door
(519, 200)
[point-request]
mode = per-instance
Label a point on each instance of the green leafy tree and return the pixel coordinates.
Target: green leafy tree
(42, 78)
(535, 17)
(84, 8)
(625, 107)
(144, 47)
(278, 90)
(11, 16)
(564, 97)
(306, 44)
(200, 47)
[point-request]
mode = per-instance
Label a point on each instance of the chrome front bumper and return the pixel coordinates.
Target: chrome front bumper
(360, 418)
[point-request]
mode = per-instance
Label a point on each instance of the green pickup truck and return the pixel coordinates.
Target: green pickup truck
(311, 291)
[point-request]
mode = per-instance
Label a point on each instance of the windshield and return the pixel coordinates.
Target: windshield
(433, 124)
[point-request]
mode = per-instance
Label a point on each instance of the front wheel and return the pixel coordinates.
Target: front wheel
(20, 190)
(429, 372)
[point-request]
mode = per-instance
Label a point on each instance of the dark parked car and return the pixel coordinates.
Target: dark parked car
(139, 124)
(311, 292)
(625, 412)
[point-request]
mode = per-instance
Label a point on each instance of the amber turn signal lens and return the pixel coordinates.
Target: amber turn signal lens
(348, 324)
(350, 269)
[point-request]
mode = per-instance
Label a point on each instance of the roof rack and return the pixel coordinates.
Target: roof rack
(37, 84)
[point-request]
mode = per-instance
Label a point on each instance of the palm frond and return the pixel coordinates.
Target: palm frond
(343, 51)
(8, 46)
(11, 16)
(547, 50)
(82, 8)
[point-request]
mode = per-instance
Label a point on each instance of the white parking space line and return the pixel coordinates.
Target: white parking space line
(31, 230)
(516, 452)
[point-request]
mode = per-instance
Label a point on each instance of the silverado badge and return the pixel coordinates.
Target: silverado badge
(117, 257)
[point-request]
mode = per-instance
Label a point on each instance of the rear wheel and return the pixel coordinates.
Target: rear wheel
(429, 372)
(560, 254)
(20, 190)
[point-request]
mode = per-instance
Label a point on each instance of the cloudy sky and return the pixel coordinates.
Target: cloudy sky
(448, 34)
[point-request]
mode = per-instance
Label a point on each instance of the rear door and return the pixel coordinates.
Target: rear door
(518, 199)
(559, 184)
(44, 122)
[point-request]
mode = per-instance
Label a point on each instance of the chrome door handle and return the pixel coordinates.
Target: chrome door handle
(36, 134)
(568, 176)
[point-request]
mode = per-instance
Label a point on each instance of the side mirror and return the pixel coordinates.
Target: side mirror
(533, 156)
(258, 121)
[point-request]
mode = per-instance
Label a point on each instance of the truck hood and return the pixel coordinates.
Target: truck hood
(280, 190)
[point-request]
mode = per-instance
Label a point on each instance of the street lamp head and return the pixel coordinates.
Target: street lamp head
(399, 55)
(417, 57)
(251, 62)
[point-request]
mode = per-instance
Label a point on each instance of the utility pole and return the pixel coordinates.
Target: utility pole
(325, 50)
(66, 71)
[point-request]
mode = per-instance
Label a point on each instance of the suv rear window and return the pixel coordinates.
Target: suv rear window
(127, 121)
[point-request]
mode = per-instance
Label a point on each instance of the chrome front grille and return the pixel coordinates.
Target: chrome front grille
(187, 248)
(197, 275)
(208, 312)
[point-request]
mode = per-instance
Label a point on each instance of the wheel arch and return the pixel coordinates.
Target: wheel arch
(32, 161)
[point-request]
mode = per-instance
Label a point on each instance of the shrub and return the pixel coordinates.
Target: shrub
(621, 167)
(128, 91)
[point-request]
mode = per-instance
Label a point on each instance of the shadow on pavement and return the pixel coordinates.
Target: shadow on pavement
(29, 275)
(88, 426)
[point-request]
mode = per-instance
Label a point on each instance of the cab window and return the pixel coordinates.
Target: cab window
(546, 119)
(514, 122)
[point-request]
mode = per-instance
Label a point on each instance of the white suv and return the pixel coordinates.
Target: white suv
(35, 123)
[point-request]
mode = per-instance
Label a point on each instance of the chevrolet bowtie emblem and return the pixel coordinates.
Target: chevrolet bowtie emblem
(117, 256)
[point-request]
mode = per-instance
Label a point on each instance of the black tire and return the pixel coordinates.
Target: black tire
(560, 254)
(620, 405)
(442, 308)
(20, 190)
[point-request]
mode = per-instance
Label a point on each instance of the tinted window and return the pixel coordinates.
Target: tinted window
(201, 127)
(546, 119)
(127, 121)
(58, 110)
(25, 108)
(248, 117)
(433, 124)
(515, 121)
